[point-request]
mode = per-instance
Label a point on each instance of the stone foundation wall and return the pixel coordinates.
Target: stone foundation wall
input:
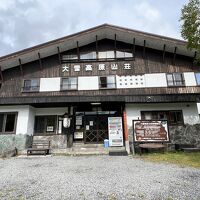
(10, 142)
(57, 141)
(186, 134)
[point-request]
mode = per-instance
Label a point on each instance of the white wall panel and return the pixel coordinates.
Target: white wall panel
(51, 111)
(88, 83)
(190, 79)
(155, 80)
(49, 84)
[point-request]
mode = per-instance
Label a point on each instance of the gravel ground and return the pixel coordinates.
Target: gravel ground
(95, 177)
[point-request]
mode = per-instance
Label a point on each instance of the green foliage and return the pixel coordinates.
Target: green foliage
(190, 30)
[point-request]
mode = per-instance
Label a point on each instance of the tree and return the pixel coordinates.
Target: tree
(190, 29)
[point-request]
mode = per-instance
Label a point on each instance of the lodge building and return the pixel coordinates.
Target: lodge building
(100, 74)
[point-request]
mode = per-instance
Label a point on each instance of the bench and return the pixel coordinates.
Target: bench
(151, 146)
(39, 146)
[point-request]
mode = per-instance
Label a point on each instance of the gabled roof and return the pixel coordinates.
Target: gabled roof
(88, 36)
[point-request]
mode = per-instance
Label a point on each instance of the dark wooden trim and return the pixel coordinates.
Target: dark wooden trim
(174, 57)
(194, 58)
(78, 51)
(59, 56)
(21, 67)
(45, 100)
(40, 61)
(144, 49)
(1, 74)
(163, 55)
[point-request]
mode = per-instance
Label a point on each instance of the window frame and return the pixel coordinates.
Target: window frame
(106, 88)
(174, 81)
(3, 132)
(65, 89)
(167, 113)
(31, 87)
(45, 132)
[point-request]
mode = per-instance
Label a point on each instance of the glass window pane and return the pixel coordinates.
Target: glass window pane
(110, 54)
(10, 123)
(91, 55)
(198, 78)
(102, 54)
(128, 55)
(39, 124)
(1, 122)
(110, 82)
(69, 57)
(120, 54)
(103, 82)
(170, 80)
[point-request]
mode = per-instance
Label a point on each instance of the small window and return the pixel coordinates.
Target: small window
(108, 82)
(197, 75)
(31, 85)
(8, 123)
(175, 79)
(122, 54)
(69, 83)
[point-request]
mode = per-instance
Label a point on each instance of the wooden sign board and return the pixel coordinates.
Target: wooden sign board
(150, 131)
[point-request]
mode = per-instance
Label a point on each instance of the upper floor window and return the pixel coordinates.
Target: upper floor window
(107, 82)
(70, 83)
(87, 56)
(31, 85)
(106, 54)
(175, 79)
(8, 123)
(69, 57)
(197, 75)
(123, 54)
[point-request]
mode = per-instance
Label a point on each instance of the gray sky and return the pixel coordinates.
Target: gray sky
(25, 23)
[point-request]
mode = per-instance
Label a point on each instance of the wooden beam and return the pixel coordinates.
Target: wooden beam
(40, 61)
(194, 58)
(97, 54)
(1, 74)
(59, 56)
(144, 49)
(174, 57)
(21, 67)
(163, 56)
(115, 46)
(78, 52)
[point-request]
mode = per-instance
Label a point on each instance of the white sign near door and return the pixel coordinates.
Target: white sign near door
(115, 131)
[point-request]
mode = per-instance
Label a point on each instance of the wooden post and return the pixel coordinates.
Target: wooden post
(115, 46)
(164, 49)
(194, 58)
(78, 52)
(59, 56)
(21, 67)
(97, 55)
(144, 49)
(40, 61)
(174, 58)
(134, 47)
(126, 133)
(1, 74)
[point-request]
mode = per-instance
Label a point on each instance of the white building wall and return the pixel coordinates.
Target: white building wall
(22, 118)
(190, 112)
(155, 80)
(49, 84)
(88, 83)
(31, 121)
(190, 79)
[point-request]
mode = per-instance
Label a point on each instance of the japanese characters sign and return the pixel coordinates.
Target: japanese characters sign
(150, 131)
